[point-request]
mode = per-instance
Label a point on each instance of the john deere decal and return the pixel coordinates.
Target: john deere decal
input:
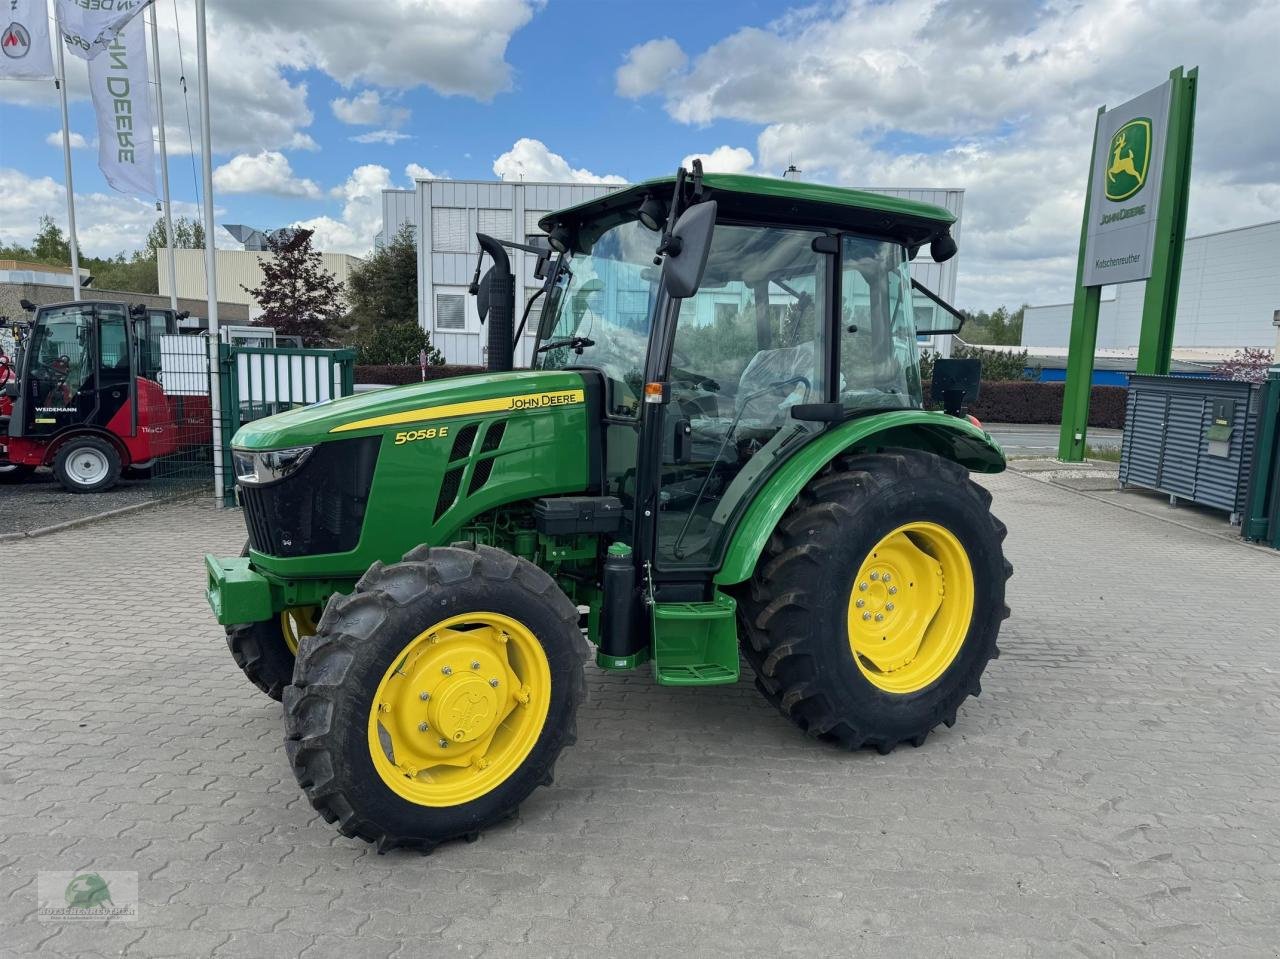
(1130, 159)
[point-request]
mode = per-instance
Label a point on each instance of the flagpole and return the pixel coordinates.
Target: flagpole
(210, 255)
(61, 82)
(164, 165)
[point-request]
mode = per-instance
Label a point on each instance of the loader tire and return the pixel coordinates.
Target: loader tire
(878, 600)
(436, 697)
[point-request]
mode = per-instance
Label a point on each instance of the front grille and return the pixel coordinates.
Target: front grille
(318, 509)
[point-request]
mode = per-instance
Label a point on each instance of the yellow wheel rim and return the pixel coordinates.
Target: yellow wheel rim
(910, 607)
(297, 622)
(460, 709)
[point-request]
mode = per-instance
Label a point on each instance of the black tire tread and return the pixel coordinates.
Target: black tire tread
(254, 648)
(353, 619)
(786, 672)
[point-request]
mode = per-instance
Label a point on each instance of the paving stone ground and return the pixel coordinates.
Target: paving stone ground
(1114, 792)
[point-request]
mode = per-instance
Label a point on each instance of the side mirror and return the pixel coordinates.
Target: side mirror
(942, 248)
(955, 382)
(686, 258)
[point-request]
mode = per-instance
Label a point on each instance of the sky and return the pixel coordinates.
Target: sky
(318, 106)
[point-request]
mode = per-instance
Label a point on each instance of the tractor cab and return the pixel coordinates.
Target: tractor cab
(803, 316)
(85, 397)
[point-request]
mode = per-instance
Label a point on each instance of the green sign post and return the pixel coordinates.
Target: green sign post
(1135, 216)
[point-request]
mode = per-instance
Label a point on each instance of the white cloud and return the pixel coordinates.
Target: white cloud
(388, 137)
(107, 224)
(996, 98)
(529, 159)
(416, 171)
(361, 212)
(78, 142)
(648, 66)
(362, 110)
(723, 159)
(454, 47)
(266, 172)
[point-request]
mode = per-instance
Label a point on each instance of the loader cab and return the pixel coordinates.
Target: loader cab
(803, 317)
(78, 368)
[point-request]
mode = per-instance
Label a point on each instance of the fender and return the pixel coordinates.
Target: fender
(947, 436)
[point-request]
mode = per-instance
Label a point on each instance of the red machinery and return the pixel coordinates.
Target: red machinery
(84, 396)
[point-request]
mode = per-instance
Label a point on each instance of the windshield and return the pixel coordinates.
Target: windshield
(599, 312)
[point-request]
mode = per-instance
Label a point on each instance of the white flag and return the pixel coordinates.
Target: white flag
(89, 26)
(25, 53)
(121, 92)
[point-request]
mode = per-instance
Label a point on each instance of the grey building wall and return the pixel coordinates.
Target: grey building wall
(1229, 291)
(447, 214)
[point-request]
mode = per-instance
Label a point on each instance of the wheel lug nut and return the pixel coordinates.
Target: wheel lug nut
(475, 664)
(423, 727)
(888, 607)
(862, 586)
(866, 615)
(893, 591)
(493, 683)
(444, 743)
(447, 670)
(875, 575)
(879, 617)
(885, 577)
(424, 695)
(860, 603)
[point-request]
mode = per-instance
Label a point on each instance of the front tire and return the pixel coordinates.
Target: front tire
(87, 464)
(878, 601)
(435, 698)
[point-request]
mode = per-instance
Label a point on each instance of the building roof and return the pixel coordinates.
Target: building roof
(780, 198)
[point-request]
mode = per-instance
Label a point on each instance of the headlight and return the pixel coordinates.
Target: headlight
(259, 467)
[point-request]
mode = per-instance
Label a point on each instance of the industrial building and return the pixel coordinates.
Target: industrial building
(238, 270)
(1227, 299)
(447, 214)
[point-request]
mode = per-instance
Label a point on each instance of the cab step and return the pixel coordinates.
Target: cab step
(695, 644)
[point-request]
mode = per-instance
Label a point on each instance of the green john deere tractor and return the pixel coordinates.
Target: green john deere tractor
(720, 448)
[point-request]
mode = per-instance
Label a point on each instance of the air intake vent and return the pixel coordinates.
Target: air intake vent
(462, 443)
(493, 438)
(449, 489)
(481, 475)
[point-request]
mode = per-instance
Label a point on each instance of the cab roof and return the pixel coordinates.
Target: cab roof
(771, 199)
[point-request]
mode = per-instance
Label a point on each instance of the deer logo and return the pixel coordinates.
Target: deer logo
(1130, 154)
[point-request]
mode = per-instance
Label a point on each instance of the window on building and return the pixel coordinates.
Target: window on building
(451, 311)
(535, 312)
(496, 223)
(449, 229)
(531, 228)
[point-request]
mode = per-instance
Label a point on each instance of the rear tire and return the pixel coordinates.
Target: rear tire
(87, 464)
(804, 619)
(393, 669)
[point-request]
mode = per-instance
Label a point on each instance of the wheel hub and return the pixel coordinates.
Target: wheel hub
(459, 709)
(910, 607)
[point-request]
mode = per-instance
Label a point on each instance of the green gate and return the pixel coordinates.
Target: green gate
(260, 381)
(1261, 521)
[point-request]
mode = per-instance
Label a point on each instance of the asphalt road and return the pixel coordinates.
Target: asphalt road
(1025, 439)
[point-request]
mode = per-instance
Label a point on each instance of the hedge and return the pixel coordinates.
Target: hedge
(1000, 401)
(399, 375)
(1027, 401)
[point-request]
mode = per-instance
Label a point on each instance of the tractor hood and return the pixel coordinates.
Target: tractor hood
(407, 407)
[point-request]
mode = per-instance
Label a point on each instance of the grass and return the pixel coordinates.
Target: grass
(1108, 454)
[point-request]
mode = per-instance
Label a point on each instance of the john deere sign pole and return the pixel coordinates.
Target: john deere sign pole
(1135, 214)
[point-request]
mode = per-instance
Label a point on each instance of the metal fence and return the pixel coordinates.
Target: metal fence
(257, 382)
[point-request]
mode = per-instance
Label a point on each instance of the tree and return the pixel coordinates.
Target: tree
(50, 244)
(298, 296)
(383, 293)
(188, 234)
(1248, 365)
